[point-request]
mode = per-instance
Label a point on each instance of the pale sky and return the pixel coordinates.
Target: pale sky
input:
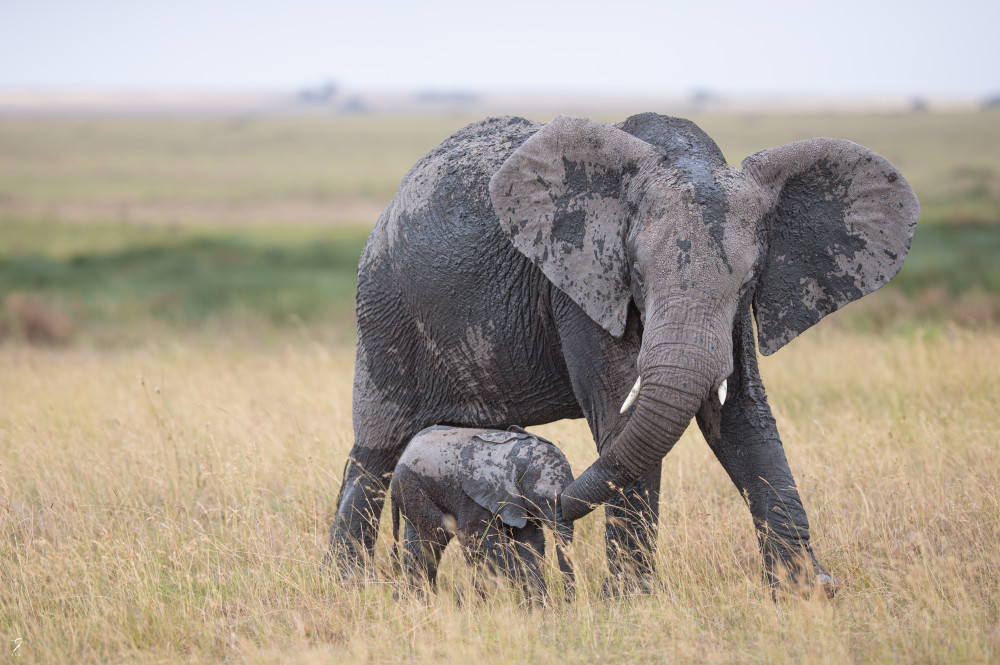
(853, 47)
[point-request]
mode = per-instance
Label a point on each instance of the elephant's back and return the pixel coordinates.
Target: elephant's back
(442, 452)
(451, 317)
(437, 252)
(447, 190)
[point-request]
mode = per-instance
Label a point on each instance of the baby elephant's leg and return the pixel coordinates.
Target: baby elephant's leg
(497, 549)
(529, 545)
(472, 536)
(422, 554)
(517, 561)
(425, 535)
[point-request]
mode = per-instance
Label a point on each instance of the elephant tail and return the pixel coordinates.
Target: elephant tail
(396, 563)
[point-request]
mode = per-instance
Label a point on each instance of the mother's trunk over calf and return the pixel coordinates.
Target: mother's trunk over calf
(678, 381)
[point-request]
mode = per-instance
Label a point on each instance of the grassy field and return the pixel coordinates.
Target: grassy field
(106, 284)
(113, 283)
(344, 168)
(172, 502)
(176, 355)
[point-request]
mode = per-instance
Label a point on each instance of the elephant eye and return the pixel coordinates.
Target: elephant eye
(638, 292)
(749, 281)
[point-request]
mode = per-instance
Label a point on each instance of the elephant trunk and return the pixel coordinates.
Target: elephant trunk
(674, 385)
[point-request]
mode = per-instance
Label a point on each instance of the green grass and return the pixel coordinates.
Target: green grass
(958, 258)
(117, 281)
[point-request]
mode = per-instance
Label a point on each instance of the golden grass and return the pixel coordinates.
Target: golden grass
(171, 503)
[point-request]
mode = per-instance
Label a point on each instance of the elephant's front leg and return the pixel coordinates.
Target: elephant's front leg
(744, 438)
(630, 535)
(422, 555)
(602, 370)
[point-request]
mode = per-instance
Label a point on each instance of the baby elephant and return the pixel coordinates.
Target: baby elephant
(493, 489)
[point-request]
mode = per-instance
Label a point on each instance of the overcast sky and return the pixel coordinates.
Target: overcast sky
(857, 47)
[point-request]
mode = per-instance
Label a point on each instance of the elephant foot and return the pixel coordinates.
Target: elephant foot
(344, 563)
(624, 587)
(824, 582)
(802, 578)
(828, 583)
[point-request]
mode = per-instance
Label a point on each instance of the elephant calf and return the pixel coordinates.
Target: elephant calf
(493, 489)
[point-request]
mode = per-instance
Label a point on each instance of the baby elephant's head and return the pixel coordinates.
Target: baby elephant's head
(522, 484)
(546, 474)
(516, 475)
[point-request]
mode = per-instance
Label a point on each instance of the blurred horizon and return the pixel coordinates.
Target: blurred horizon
(330, 98)
(725, 48)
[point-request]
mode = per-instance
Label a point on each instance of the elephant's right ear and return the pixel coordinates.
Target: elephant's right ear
(562, 199)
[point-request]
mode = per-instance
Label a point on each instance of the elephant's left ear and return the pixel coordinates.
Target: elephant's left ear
(840, 227)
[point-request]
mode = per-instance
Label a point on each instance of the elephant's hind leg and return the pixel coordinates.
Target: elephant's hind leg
(381, 436)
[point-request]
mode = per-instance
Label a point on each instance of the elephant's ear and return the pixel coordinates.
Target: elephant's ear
(839, 228)
(496, 490)
(562, 200)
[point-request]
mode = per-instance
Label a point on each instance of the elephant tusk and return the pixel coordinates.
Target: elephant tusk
(722, 392)
(632, 395)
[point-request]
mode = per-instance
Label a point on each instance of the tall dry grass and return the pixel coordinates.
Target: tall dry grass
(171, 503)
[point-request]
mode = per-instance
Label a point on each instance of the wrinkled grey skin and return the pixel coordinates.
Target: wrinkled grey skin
(493, 490)
(525, 273)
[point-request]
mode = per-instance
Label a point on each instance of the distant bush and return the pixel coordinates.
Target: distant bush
(28, 319)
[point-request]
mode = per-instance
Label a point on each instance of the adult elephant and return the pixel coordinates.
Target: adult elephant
(525, 273)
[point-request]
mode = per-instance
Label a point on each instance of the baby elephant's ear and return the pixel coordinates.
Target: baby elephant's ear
(496, 490)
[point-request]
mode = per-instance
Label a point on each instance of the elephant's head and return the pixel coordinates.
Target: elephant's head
(650, 213)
